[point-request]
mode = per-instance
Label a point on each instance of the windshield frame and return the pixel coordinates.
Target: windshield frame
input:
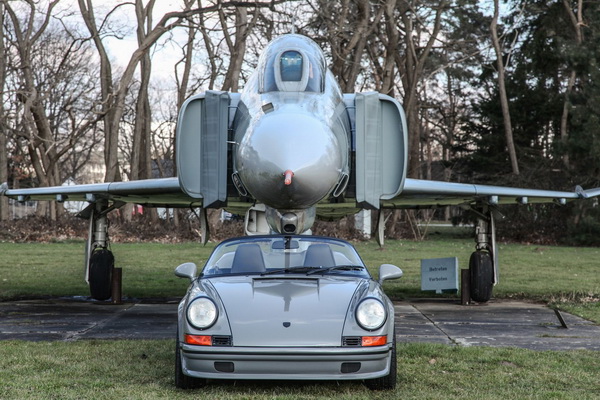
(284, 254)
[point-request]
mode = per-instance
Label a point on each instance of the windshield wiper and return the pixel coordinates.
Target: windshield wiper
(336, 268)
(295, 270)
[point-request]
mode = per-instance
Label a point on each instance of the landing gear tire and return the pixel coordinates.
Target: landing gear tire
(387, 382)
(482, 276)
(183, 381)
(102, 264)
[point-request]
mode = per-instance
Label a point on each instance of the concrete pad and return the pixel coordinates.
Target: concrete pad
(37, 320)
(497, 323)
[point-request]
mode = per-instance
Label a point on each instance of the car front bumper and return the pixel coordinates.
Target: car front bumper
(289, 363)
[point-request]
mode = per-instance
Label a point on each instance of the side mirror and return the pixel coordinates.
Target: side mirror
(187, 270)
(389, 271)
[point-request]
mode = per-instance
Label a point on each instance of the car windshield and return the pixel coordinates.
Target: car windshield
(273, 255)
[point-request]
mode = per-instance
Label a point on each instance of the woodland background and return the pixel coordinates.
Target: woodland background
(504, 93)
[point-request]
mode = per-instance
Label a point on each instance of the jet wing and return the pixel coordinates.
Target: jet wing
(164, 192)
(418, 193)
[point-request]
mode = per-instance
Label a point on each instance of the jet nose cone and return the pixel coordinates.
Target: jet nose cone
(289, 160)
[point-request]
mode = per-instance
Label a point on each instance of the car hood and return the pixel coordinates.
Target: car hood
(286, 311)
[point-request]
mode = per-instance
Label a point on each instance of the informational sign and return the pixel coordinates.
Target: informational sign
(439, 275)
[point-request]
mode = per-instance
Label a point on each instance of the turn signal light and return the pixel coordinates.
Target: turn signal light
(374, 340)
(198, 340)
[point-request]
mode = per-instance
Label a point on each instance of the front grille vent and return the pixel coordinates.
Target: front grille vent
(355, 341)
(221, 341)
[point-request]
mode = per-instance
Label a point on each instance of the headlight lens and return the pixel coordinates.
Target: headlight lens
(370, 314)
(202, 313)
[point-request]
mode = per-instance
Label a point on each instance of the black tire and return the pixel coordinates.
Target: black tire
(183, 381)
(482, 276)
(387, 382)
(102, 264)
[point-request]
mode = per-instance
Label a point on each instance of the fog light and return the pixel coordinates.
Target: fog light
(349, 367)
(224, 366)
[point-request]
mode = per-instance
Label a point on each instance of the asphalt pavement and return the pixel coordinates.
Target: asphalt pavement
(495, 324)
(498, 323)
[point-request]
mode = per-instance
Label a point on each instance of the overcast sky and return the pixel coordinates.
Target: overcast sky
(120, 48)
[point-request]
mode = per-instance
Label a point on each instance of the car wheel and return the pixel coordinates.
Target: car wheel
(387, 382)
(102, 263)
(183, 381)
(481, 270)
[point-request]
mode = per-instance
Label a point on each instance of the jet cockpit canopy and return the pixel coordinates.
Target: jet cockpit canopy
(296, 65)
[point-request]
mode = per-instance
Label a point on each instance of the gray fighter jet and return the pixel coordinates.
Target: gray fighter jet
(290, 148)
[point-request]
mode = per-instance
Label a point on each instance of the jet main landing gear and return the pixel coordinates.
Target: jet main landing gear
(483, 264)
(99, 260)
(101, 268)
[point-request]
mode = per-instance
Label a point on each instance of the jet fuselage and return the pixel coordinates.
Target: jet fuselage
(291, 133)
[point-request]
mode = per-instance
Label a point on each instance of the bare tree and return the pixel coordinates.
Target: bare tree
(115, 96)
(394, 38)
(3, 127)
(577, 24)
(381, 51)
(421, 32)
(36, 124)
(106, 87)
(346, 26)
(508, 131)
(236, 45)
(52, 80)
(140, 155)
(187, 51)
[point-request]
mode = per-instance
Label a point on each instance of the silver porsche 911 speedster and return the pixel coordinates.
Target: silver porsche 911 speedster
(285, 307)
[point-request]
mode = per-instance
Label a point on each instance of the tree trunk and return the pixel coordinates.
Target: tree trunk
(115, 101)
(3, 127)
(182, 88)
(237, 48)
(577, 22)
(508, 132)
(140, 152)
(3, 161)
(106, 86)
(411, 68)
(348, 26)
(392, 39)
(41, 145)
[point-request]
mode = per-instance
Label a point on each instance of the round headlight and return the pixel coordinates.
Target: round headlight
(370, 314)
(202, 313)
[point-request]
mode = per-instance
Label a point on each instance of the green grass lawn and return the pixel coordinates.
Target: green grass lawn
(118, 369)
(144, 370)
(566, 277)
(56, 269)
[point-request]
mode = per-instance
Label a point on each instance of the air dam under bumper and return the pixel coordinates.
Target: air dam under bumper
(302, 363)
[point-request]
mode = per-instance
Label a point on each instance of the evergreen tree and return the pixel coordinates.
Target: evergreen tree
(554, 96)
